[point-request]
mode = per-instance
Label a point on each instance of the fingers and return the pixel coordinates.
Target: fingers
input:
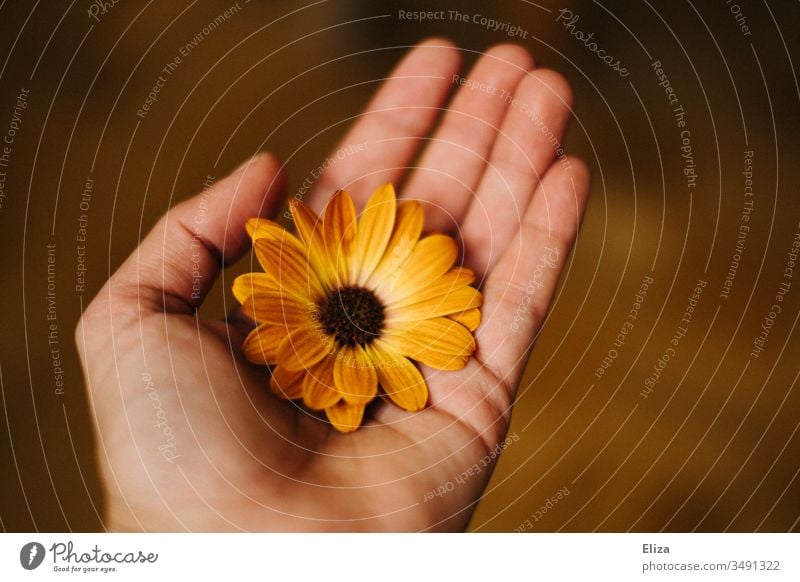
(530, 136)
(454, 161)
(386, 136)
(178, 261)
(519, 289)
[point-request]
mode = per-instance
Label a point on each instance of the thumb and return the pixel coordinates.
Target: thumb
(179, 260)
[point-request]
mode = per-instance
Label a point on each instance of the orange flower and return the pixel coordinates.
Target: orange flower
(345, 306)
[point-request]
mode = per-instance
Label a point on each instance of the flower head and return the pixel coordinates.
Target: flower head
(350, 303)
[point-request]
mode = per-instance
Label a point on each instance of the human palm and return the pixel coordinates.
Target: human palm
(190, 436)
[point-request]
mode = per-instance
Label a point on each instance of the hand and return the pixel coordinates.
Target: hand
(189, 434)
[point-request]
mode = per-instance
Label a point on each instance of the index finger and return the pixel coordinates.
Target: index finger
(386, 136)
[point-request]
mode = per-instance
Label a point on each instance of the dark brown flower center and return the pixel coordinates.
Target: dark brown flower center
(352, 315)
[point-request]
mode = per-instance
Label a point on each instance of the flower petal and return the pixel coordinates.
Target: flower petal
(249, 284)
(440, 343)
(440, 361)
(373, 233)
(355, 376)
(264, 228)
(400, 379)
(262, 345)
(303, 348)
(309, 227)
(319, 390)
(266, 305)
(339, 232)
(345, 417)
(287, 384)
(470, 319)
(461, 299)
(447, 283)
(407, 229)
(285, 261)
(431, 258)
(278, 309)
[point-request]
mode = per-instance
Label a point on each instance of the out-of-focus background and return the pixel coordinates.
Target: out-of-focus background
(614, 432)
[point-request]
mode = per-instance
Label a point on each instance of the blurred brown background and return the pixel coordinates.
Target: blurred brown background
(714, 446)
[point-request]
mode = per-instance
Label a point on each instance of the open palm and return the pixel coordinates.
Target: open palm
(190, 436)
